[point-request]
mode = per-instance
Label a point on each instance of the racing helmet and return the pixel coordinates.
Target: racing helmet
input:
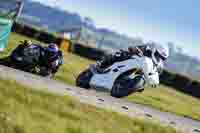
(52, 47)
(160, 53)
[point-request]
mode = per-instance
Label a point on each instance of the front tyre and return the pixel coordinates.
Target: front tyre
(44, 72)
(83, 79)
(125, 86)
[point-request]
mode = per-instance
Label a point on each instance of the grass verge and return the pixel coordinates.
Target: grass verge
(23, 110)
(169, 100)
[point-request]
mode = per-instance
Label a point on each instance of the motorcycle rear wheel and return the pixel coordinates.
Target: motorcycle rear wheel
(126, 86)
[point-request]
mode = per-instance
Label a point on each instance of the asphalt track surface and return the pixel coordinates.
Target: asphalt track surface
(101, 100)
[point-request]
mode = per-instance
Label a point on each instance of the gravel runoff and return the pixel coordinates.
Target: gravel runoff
(102, 100)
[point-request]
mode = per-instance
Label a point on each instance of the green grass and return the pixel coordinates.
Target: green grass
(169, 100)
(71, 69)
(23, 110)
(162, 98)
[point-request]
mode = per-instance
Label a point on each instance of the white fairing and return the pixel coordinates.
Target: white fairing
(150, 72)
(107, 80)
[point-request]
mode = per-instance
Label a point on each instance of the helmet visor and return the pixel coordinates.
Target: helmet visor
(159, 57)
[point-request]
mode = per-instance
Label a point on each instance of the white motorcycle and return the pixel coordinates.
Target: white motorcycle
(122, 78)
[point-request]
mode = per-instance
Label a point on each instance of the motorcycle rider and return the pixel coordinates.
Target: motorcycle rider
(158, 54)
(49, 58)
(53, 57)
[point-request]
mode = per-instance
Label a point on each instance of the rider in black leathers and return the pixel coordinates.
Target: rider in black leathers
(53, 57)
(50, 57)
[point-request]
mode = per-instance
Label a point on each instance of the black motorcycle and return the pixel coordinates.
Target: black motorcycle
(32, 59)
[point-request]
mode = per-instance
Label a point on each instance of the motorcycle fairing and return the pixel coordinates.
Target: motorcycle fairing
(107, 80)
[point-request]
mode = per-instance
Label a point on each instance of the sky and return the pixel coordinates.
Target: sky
(163, 21)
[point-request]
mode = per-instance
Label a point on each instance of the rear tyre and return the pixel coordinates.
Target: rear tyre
(125, 86)
(83, 79)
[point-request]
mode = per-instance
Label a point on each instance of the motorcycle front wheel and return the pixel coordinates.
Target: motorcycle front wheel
(83, 79)
(126, 86)
(44, 72)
